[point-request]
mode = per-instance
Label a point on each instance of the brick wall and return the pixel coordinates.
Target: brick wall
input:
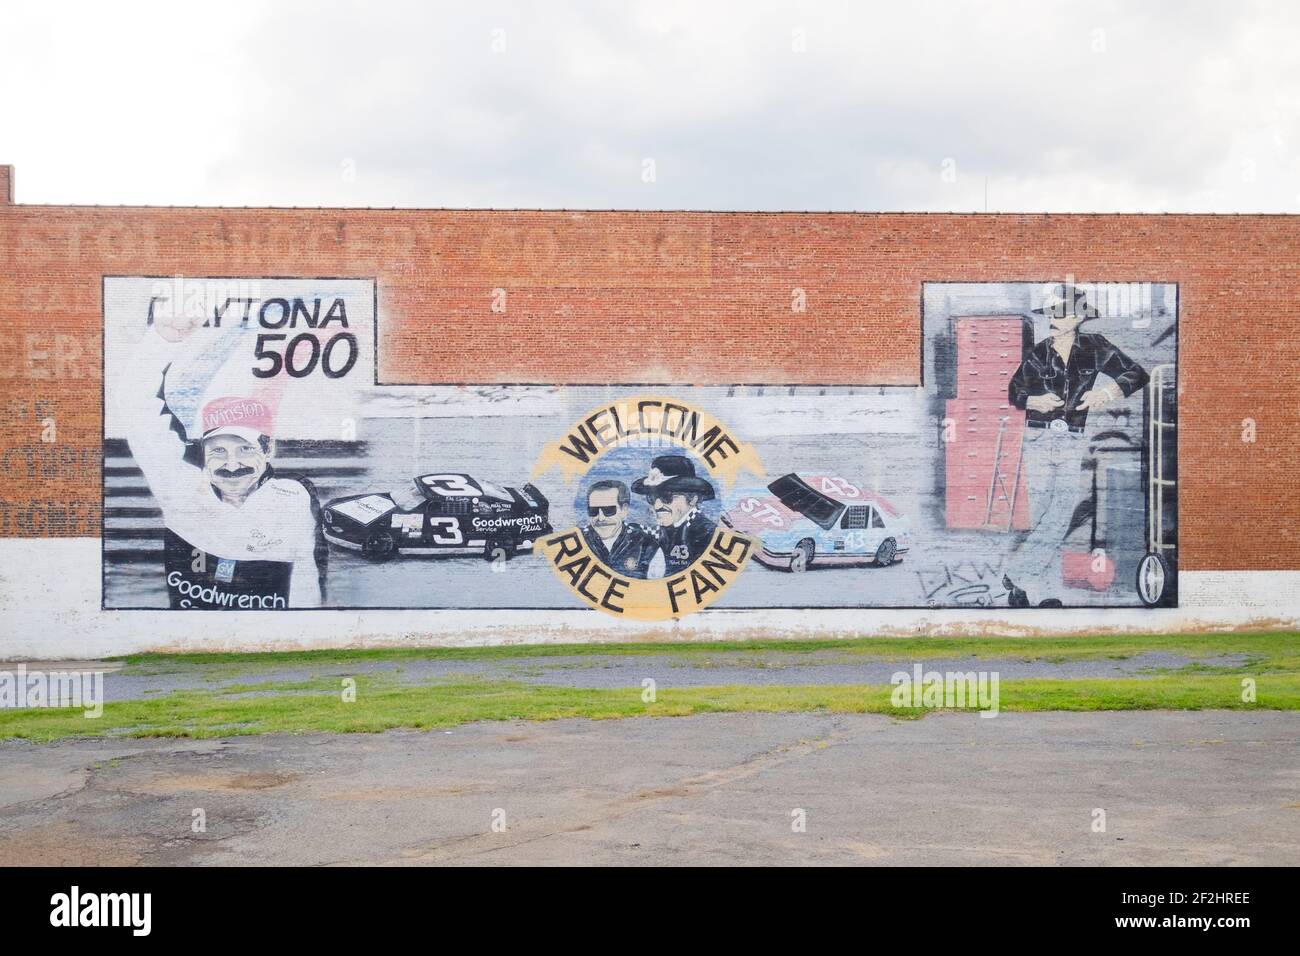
(594, 297)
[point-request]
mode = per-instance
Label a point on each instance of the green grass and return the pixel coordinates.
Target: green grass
(382, 704)
(385, 701)
(1281, 650)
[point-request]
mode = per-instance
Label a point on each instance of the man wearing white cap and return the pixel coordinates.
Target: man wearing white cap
(237, 537)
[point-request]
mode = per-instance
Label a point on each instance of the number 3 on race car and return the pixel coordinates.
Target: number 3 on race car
(449, 532)
(452, 485)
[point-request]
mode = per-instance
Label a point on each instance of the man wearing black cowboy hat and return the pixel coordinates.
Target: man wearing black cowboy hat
(674, 494)
(1056, 385)
(1056, 381)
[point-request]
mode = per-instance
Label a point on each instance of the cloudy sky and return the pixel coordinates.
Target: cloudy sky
(1178, 106)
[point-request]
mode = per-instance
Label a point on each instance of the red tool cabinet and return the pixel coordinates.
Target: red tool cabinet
(983, 473)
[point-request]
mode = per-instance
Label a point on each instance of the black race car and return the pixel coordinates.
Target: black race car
(439, 514)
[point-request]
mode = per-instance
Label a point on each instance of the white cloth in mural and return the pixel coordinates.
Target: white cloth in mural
(275, 522)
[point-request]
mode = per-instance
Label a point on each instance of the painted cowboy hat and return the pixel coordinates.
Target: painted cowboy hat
(1066, 299)
(673, 475)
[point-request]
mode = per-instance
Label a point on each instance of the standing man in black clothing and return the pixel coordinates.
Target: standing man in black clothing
(674, 494)
(1056, 385)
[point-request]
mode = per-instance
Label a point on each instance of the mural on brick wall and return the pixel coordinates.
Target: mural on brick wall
(1058, 407)
(251, 462)
(679, 461)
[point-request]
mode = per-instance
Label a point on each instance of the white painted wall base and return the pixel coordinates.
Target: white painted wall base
(50, 597)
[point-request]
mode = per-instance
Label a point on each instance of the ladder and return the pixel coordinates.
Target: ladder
(1157, 484)
(997, 481)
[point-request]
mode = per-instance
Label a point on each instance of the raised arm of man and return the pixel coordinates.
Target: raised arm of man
(156, 437)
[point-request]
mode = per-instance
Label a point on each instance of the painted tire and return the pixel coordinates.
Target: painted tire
(1152, 579)
(802, 557)
(886, 552)
(379, 545)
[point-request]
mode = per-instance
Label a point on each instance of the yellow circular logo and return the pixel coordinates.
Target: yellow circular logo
(652, 542)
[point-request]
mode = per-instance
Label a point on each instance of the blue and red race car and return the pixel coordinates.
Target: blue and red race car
(806, 520)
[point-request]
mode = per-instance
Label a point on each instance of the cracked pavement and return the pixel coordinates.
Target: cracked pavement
(1178, 788)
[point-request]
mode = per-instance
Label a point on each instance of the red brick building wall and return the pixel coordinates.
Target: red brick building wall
(679, 297)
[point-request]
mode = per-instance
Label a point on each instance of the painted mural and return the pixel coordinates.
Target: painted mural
(252, 463)
(1057, 404)
(679, 461)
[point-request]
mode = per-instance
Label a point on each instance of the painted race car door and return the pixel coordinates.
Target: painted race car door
(442, 522)
(448, 510)
(857, 518)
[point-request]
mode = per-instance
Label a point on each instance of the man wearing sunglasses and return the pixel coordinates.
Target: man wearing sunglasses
(629, 549)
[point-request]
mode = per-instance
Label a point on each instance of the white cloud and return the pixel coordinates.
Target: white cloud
(1061, 107)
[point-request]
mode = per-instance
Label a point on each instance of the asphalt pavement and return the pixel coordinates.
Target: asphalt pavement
(1116, 788)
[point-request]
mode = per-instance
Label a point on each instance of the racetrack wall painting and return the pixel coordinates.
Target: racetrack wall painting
(251, 462)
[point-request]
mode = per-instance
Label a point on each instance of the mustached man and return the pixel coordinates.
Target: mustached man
(237, 537)
(674, 493)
